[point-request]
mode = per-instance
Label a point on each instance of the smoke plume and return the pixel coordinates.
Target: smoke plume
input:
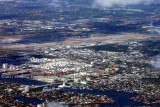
(110, 3)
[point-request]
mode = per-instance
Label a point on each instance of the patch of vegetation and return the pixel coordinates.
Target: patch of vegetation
(151, 48)
(111, 47)
(153, 80)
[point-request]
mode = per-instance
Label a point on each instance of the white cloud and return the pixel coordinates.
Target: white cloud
(156, 61)
(55, 3)
(110, 3)
(53, 104)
